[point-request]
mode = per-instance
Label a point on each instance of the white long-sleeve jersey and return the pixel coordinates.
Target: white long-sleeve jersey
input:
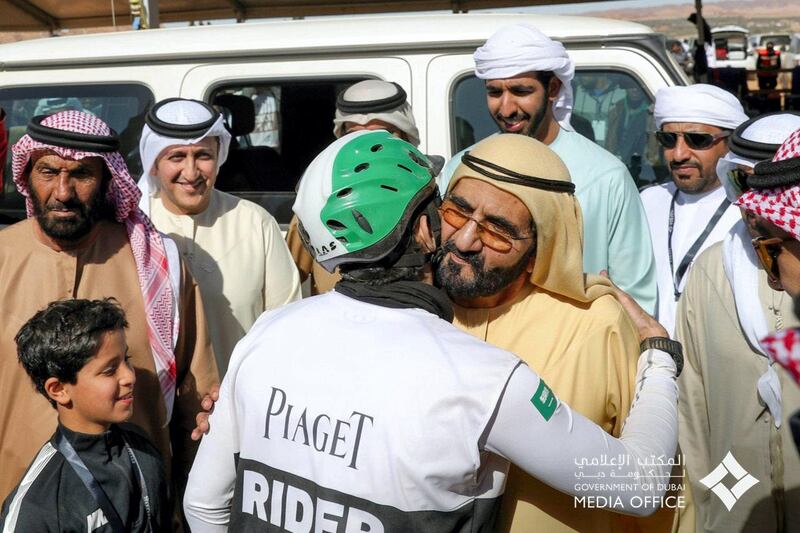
(338, 415)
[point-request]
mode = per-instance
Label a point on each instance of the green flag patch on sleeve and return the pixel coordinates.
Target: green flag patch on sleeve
(544, 400)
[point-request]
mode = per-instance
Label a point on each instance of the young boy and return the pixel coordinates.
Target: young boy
(94, 474)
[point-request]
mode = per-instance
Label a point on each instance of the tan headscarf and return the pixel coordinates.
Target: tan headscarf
(558, 267)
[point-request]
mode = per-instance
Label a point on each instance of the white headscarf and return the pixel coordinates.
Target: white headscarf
(400, 117)
(771, 129)
(700, 103)
(520, 48)
(152, 144)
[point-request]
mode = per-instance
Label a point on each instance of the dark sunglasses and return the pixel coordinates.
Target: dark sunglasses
(695, 140)
(494, 238)
(768, 249)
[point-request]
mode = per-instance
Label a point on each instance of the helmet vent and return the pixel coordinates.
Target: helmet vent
(362, 167)
(362, 221)
(405, 168)
(389, 188)
(335, 225)
(376, 147)
(342, 240)
(344, 192)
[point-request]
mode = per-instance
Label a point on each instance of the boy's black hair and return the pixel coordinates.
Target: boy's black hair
(58, 341)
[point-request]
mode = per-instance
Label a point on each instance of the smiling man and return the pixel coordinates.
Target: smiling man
(528, 92)
(234, 247)
(690, 213)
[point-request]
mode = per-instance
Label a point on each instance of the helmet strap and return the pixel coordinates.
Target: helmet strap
(416, 259)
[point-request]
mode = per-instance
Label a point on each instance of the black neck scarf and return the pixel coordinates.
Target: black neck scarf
(400, 295)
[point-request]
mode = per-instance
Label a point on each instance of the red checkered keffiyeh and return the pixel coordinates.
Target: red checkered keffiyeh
(146, 243)
(784, 348)
(779, 205)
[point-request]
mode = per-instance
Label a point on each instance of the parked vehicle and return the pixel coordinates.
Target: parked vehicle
(284, 77)
(788, 44)
(732, 47)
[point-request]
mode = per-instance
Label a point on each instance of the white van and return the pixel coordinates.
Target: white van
(278, 82)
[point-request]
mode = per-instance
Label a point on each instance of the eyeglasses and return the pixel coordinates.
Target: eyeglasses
(768, 250)
(492, 237)
(696, 140)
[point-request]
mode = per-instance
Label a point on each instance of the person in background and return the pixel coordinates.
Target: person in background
(366, 105)
(87, 238)
(691, 212)
(528, 92)
(233, 246)
(725, 310)
(768, 66)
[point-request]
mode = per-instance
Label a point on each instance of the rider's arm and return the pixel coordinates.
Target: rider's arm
(209, 492)
(544, 437)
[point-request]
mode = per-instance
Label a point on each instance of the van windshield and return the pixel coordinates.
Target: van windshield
(121, 106)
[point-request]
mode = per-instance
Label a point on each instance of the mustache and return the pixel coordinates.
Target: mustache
(72, 205)
(473, 258)
(675, 164)
(514, 116)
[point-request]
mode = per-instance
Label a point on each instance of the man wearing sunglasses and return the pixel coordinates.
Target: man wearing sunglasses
(528, 92)
(511, 260)
(725, 310)
(690, 213)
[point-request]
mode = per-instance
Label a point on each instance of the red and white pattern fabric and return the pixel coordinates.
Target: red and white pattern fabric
(780, 206)
(784, 348)
(146, 242)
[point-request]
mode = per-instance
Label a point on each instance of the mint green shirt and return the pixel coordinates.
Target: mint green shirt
(616, 237)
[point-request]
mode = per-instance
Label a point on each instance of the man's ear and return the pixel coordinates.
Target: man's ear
(553, 86)
(424, 234)
(57, 392)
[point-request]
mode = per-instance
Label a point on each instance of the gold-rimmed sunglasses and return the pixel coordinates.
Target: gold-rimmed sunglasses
(768, 249)
(492, 237)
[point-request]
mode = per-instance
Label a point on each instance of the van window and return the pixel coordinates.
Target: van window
(121, 106)
(610, 107)
(278, 128)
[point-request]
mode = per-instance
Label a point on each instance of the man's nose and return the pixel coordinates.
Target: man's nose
(508, 106)
(681, 152)
(65, 187)
(190, 170)
(467, 238)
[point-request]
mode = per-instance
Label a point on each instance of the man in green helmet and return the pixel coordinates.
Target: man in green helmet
(364, 409)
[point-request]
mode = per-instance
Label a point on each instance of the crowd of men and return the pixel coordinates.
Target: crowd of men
(479, 330)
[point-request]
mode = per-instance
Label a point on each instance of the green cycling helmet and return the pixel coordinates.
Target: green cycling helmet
(356, 198)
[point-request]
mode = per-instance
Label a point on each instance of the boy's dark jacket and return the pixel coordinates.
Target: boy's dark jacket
(54, 499)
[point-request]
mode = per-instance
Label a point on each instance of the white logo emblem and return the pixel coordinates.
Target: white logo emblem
(729, 496)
